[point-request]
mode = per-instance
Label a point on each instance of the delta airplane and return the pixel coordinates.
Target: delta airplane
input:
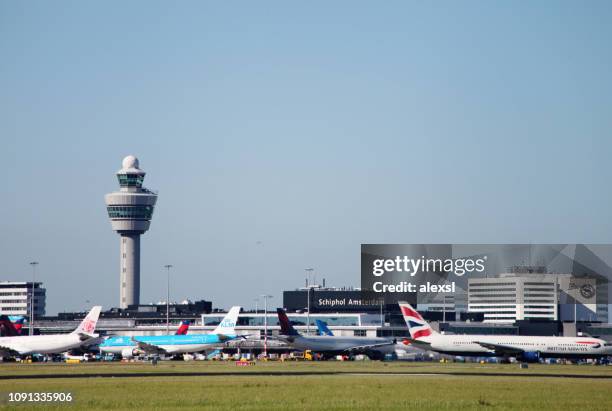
(404, 348)
(524, 348)
(51, 343)
(129, 347)
(330, 345)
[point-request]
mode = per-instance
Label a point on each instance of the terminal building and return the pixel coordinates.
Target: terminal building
(531, 293)
(16, 298)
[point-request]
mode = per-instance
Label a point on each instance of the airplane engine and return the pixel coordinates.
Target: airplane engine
(128, 353)
(530, 356)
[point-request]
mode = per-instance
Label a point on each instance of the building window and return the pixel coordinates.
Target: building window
(360, 333)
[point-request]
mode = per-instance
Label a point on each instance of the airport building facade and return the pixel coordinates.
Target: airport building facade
(536, 295)
(16, 298)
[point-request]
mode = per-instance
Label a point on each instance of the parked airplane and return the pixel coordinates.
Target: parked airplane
(51, 343)
(328, 346)
(8, 328)
(524, 348)
(403, 349)
(322, 328)
(182, 330)
(129, 346)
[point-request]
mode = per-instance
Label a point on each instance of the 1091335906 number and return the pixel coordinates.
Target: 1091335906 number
(39, 397)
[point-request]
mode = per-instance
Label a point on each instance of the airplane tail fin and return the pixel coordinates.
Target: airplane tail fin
(285, 324)
(322, 328)
(17, 323)
(88, 325)
(417, 326)
(182, 330)
(228, 324)
(8, 328)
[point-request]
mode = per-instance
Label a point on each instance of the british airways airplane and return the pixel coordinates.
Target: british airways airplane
(130, 346)
(523, 347)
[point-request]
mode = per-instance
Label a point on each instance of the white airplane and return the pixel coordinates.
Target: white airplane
(524, 348)
(51, 343)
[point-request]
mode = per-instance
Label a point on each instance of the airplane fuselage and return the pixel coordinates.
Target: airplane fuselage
(171, 344)
(325, 343)
(42, 344)
(552, 347)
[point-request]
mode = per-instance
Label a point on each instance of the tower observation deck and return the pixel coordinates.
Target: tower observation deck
(130, 211)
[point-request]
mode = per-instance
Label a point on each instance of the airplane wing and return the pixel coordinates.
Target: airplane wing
(11, 351)
(366, 347)
(224, 338)
(85, 336)
(419, 344)
(149, 348)
(91, 341)
(499, 349)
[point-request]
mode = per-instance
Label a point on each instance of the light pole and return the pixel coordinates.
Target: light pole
(265, 297)
(444, 308)
(33, 264)
(308, 313)
(168, 267)
(309, 272)
(256, 305)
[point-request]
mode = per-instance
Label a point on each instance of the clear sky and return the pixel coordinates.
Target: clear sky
(282, 135)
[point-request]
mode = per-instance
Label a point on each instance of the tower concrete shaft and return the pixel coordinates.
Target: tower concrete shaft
(130, 210)
(129, 290)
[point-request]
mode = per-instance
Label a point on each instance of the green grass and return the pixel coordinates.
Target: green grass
(318, 391)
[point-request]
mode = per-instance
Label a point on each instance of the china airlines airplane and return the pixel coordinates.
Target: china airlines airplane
(51, 343)
(524, 348)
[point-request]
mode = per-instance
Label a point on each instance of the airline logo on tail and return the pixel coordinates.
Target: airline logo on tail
(285, 324)
(88, 325)
(322, 328)
(228, 324)
(17, 322)
(9, 328)
(182, 330)
(417, 326)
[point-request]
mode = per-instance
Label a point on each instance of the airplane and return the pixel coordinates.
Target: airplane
(322, 328)
(182, 330)
(51, 343)
(10, 327)
(524, 348)
(330, 346)
(403, 348)
(131, 346)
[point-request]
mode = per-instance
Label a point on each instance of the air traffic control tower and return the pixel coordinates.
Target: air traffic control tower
(130, 210)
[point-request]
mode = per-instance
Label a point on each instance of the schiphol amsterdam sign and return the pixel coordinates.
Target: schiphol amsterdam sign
(421, 273)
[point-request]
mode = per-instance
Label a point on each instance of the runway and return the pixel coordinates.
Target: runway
(296, 374)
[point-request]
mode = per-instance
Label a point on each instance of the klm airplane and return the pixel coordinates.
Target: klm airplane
(130, 346)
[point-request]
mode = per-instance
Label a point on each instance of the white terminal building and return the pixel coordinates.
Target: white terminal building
(532, 296)
(16, 298)
(130, 210)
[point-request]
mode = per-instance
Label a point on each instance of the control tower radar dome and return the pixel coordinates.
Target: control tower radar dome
(130, 211)
(130, 162)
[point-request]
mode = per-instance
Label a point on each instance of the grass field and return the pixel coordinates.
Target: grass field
(320, 385)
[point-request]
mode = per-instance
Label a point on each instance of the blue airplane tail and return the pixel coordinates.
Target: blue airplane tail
(322, 328)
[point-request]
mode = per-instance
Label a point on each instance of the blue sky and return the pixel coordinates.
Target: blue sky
(282, 135)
